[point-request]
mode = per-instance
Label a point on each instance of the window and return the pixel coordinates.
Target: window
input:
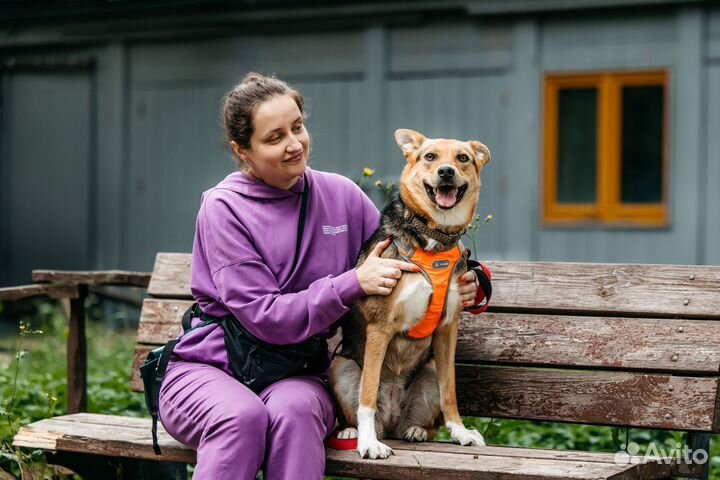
(605, 149)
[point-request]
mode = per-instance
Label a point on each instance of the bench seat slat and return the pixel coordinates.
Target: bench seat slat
(130, 438)
(663, 345)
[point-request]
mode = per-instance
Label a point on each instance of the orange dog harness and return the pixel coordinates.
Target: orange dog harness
(437, 268)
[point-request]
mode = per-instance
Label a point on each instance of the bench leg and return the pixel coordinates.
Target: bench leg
(100, 467)
(700, 441)
(77, 355)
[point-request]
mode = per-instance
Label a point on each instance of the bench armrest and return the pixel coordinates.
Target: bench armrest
(97, 277)
(26, 291)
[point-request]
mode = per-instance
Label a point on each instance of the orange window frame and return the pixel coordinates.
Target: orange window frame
(608, 208)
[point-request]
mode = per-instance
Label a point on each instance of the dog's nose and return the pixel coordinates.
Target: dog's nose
(446, 173)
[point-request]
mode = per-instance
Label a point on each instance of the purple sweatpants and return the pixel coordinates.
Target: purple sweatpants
(236, 432)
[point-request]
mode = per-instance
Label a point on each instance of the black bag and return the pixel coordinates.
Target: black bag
(258, 364)
(255, 363)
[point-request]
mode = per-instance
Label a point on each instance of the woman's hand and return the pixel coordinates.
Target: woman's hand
(468, 288)
(378, 276)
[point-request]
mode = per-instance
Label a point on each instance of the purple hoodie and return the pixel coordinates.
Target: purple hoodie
(243, 252)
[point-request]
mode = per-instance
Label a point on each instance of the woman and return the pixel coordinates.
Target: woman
(245, 265)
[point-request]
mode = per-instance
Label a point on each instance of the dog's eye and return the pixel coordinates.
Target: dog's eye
(463, 158)
(430, 156)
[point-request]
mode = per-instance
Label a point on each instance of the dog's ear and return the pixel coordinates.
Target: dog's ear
(481, 151)
(409, 140)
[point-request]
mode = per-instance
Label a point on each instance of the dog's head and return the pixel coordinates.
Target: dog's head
(441, 180)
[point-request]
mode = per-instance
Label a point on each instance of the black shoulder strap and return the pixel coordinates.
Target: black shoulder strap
(164, 360)
(301, 221)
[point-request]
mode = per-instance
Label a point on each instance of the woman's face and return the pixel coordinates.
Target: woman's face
(279, 145)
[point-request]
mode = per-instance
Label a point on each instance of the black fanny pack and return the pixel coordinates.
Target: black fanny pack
(255, 363)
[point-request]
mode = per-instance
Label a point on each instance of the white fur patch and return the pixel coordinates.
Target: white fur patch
(348, 433)
(412, 302)
(465, 436)
(368, 444)
(431, 244)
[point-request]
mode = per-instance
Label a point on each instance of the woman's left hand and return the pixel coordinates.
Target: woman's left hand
(468, 288)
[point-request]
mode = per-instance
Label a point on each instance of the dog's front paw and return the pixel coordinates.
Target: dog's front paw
(415, 434)
(347, 433)
(465, 436)
(372, 448)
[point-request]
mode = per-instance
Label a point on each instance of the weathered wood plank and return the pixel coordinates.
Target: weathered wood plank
(662, 345)
(171, 276)
(593, 397)
(603, 398)
(160, 320)
(621, 289)
(677, 465)
(617, 289)
(98, 277)
(28, 291)
(130, 437)
(407, 465)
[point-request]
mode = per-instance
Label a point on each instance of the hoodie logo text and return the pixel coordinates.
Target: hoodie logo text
(329, 230)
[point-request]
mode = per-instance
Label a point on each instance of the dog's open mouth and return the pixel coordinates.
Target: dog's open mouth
(445, 196)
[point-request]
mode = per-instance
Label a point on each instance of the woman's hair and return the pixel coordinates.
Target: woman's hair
(240, 103)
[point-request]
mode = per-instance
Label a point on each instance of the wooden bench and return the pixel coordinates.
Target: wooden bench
(74, 286)
(606, 344)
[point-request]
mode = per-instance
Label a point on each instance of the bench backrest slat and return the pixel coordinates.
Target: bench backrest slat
(595, 397)
(559, 287)
(652, 345)
(171, 276)
(606, 288)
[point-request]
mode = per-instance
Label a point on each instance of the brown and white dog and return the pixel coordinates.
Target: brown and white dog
(386, 380)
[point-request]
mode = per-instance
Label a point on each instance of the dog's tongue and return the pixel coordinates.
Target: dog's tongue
(446, 197)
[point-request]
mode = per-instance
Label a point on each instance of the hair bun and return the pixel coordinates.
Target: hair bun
(254, 77)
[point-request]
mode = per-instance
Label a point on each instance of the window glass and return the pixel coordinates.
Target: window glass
(642, 144)
(577, 145)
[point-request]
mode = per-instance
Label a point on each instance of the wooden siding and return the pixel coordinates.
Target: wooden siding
(711, 218)
(159, 143)
(648, 41)
(48, 158)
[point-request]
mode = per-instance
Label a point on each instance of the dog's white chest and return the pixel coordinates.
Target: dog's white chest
(413, 300)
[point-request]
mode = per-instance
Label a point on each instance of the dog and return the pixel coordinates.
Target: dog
(395, 374)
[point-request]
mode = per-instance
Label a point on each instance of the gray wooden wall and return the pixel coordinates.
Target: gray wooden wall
(103, 167)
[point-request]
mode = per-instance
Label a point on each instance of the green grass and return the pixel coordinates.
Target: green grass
(40, 392)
